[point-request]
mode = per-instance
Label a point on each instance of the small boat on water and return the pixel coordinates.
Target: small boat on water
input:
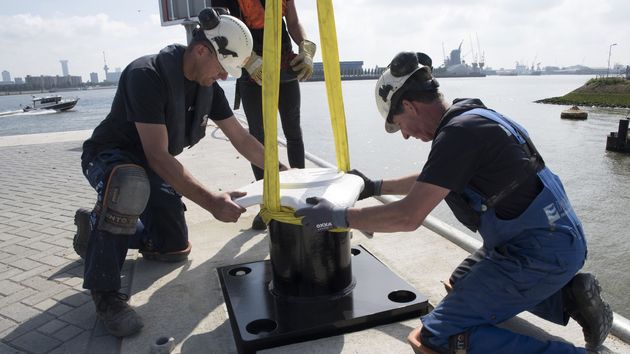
(574, 113)
(55, 102)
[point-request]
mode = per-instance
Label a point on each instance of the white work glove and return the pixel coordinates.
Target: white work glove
(302, 64)
(254, 67)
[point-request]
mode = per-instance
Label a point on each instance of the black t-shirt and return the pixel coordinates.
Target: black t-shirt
(470, 150)
(141, 97)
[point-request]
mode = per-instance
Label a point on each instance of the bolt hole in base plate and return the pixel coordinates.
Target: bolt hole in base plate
(261, 320)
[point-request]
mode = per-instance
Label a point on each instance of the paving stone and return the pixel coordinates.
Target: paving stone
(77, 345)
(6, 323)
(42, 284)
(8, 287)
(27, 326)
(68, 332)
(5, 349)
(36, 342)
(43, 295)
(17, 250)
(7, 301)
(76, 299)
(59, 309)
(52, 327)
(19, 312)
(26, 264)
(74, 282)
(53, 260)
(84, 316)
(37, 262)
(31, 273)
(38, 245)
(6, 273)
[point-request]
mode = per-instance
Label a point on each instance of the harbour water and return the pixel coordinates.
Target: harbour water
(597, 181)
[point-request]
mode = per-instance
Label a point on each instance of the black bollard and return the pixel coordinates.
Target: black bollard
(622, 133)
(619, 141)
(316, 284)
(309, 265)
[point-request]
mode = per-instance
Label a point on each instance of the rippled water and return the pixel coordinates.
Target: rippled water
(597, 181)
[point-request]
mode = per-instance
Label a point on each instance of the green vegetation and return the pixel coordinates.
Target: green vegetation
(606, 92)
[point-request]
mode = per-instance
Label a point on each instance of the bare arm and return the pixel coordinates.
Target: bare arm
(243, 141)
(154, 138)
(296, 31)
(406, 214)
(398, 186)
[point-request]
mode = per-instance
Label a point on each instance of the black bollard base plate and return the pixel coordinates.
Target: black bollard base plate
(261, 320)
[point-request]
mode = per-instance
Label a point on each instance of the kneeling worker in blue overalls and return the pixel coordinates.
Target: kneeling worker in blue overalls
(494, 180)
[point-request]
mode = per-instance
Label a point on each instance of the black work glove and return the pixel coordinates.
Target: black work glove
(370, 188)
(322, 215)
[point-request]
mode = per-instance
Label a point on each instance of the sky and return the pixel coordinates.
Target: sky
(36, 34)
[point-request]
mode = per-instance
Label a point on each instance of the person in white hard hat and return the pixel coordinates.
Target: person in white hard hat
(487, 169)
(162, 105)
(293, 69)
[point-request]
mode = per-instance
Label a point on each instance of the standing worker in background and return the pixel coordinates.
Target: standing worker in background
(495, 182)
(162, 105)
(294, 68)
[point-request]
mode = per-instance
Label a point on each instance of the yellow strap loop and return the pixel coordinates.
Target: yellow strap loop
(271, 209)
(332, 75)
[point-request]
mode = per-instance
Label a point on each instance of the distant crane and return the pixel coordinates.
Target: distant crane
(444, 55)
(483, 54)
(533, 61)
(105, 67)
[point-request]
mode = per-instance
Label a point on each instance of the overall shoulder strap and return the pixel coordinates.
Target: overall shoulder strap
(536, 162)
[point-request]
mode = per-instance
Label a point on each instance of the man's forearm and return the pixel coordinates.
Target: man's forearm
(398, 186)
(383, 218)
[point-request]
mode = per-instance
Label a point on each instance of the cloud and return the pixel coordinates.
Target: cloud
(553, 32)
(37, 43)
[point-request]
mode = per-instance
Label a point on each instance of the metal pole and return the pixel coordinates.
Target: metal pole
(609, 50)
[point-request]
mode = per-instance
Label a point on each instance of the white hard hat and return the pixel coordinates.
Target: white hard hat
(232, 42)
(386, 87)
(388, 91)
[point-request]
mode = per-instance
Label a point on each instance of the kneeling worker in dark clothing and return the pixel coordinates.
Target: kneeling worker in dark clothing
(494, 180)
(162, 105)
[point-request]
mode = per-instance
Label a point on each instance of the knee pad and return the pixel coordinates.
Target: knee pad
(125, 197)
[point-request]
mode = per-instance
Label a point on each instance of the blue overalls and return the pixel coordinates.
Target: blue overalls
(162, 225)
(524, 264)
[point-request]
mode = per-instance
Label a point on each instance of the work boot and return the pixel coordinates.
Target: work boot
(582, 296)
(258, 223)
(119, 319)
(169, 257)
(84, 228)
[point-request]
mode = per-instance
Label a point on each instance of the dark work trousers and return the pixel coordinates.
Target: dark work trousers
(161, 228)
(289, 108)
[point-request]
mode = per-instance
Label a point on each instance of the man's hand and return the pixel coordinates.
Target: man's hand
(371, 188)
(224, 209)
(302, 64)
(254, 67)
(323, 215)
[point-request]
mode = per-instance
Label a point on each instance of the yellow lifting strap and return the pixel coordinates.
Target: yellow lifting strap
(332, 74)
(271, 208)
